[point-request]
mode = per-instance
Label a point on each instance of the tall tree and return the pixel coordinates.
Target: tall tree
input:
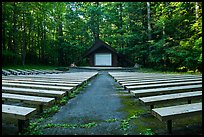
(149, 21)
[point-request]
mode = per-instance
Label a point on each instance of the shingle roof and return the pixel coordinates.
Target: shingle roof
(99, 43)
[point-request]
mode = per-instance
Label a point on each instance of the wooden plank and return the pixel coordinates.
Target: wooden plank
(153, 75)
(137, 74)
(157, 91)
(27, 99)
(17, 112)
(41, 83)
(41, 80)
(174, 112)
(5, 72)
(47, 78)
(153, 78)
(159, 82)
(36, 92)
(24, 72)
(163, 85)
(14, 72)
(151, 100)
(37, 86)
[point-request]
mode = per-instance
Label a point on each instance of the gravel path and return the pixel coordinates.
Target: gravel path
(97, 103)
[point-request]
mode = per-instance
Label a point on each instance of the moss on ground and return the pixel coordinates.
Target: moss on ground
(147, 124)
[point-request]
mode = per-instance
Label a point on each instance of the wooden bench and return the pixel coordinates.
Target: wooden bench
(156, 76)
(14, 72)
(122, 81)
(24, 72)
(37, 92)
(34, 100)
(39, 71)
(5, 72)
(157, 91)
(22, 114)
(38, 86)
(41, 83)
(168, 114)
(136, 83)
(42, 77)
(41, 80)
(163, 85)
(152, 100)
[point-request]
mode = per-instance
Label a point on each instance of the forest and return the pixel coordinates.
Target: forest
(159, 35)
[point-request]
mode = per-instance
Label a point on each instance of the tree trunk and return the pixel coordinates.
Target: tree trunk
(14, 29)
(24, 41)
(3, 27)
(196, 10)
(60, 41)
(148, 21)
(121, 24)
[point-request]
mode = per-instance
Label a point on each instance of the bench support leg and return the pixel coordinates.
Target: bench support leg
(22, 124)
(189, 101)
(169, 126)
(151, 107)
(40, 108)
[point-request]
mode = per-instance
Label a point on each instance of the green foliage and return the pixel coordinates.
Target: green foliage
(64, 100)
(54, 109)
(124, 125)
(88, 125)
(111, 120)
(60, 33)
(149, 132)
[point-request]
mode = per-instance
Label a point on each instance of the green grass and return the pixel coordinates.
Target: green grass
(30, 67)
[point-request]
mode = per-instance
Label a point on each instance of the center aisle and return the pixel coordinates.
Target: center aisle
(96, 104)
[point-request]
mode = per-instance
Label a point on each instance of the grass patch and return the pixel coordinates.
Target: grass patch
(87, 125)
(111, 120)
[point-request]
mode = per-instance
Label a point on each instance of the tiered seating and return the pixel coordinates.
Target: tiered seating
(38, 90)
(5, 72)
(29, 72)
(152, 89)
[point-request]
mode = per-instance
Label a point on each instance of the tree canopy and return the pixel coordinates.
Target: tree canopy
(163, 35)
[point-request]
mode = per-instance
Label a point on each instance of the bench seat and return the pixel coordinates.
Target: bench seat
(41, 83)
(157, 91)
(22, 114)
(154, 79)
(37, 86)
(152, 100)
(14, 72)
(36, 100)
(41, 80)
(167, 114)
(158, 82)
(163, 85)
(36, 92)
(5, 72)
